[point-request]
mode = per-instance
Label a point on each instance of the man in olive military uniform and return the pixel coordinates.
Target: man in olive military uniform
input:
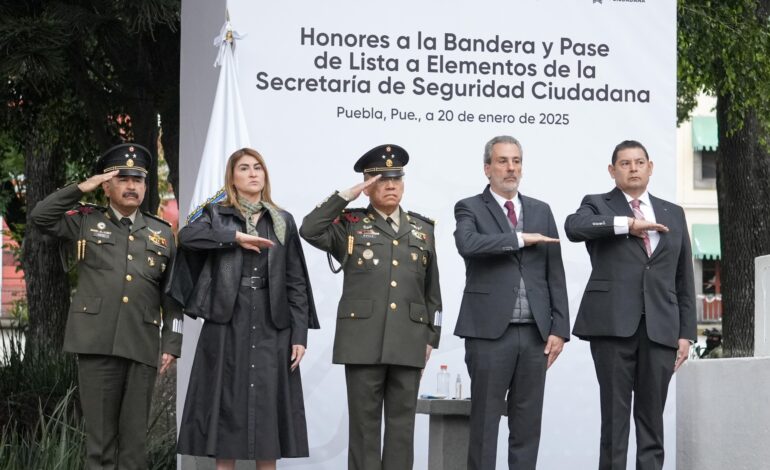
(119, 321)
(389, 316)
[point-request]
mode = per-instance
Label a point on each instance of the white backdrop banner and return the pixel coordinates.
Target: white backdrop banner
(323, 82)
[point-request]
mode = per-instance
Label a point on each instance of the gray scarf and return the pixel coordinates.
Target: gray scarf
(248, 210)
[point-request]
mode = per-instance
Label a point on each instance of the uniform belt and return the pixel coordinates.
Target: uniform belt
(255, 282)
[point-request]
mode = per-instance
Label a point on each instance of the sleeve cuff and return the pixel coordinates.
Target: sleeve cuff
(621, 225)
(346, 195)
(520, 240)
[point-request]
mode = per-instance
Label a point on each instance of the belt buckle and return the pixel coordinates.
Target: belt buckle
(252, 281)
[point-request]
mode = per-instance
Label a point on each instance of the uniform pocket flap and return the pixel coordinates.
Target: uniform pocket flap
(354, 309)
(101, 237)
(159, 250)
(86, 304)
(418, 313)
(368, 241)
(152, 316)
(416, 241)
(602, 286)
(673, 298)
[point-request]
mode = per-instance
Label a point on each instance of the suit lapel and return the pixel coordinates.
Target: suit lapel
(618, 203)
(662, 216)
(529, 215)
(494, 208)
(616, 200)
(404, 226)
(139, 222)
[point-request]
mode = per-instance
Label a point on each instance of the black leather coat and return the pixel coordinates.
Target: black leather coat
(206, 274)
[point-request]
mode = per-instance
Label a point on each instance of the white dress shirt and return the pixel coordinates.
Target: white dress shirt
(621, 222)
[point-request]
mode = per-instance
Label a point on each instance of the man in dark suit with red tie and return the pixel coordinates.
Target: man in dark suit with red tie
(638, 309)
(514, 315)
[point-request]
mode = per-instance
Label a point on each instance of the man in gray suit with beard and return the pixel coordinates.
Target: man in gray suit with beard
(638, 310)
(514, 314)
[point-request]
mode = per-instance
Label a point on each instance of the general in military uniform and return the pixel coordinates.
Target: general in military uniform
(119, 321)
(389, 316)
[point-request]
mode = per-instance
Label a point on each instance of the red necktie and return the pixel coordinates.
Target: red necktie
(635, 203)
(511, 213)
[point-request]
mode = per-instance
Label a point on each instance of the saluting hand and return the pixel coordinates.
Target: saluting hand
(95, 181)
(639, 227)
(351, 194)
(252, 242)
(535, 238)
(297, 353)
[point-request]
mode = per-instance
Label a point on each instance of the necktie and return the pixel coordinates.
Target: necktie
(511, 213)
(392, 224)
(640, 216)
(125, 221)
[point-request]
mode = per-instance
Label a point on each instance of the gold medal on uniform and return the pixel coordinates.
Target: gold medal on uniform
(368, 254)
(360, 261)
(376, 261)
(162, 267)
(101, 225)
(151, 261)
(414, 256)
(424, 260)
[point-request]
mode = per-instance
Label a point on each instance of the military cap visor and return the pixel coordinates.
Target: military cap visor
(129, 159)
(387, 160)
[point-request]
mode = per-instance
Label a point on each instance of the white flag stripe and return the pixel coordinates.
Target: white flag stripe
(227, 130)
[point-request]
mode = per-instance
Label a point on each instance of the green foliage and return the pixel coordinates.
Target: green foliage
(19, 311)
(40, 420)
(32, 379)
(723, 50)
(57, 441)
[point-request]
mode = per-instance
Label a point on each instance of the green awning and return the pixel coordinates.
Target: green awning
(705, 241)
(704, 133)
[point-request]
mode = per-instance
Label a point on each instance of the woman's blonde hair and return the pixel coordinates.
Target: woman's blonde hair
(232, 193)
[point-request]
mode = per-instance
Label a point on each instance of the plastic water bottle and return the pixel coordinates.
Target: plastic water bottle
(458, 388)
(442, 388)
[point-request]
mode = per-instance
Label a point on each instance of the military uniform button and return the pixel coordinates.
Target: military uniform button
(131, 237)
(128, 277)
(98, 242)
(156, 321)
(393, 283)
(352, 315)
(393, 306)
(125, 300)
(130, 257)
(420, 318)
(85, 309)
(395, 262)
(395, 242)
(368, 243)
(160, 254)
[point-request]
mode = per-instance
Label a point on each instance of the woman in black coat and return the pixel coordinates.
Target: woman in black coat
(242, 269)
